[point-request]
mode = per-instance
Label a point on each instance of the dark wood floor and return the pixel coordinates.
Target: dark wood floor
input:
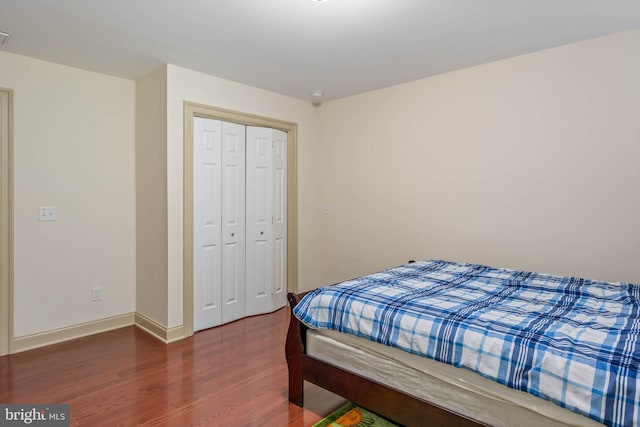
(231, 375)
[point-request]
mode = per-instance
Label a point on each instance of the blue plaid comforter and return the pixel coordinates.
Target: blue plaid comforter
(575, 342)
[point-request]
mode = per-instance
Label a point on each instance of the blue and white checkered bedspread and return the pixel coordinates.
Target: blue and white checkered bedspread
(575, 342)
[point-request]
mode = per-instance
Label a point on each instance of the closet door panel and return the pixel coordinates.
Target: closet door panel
(260, 256)
(209, 273)
(207, 218)
(280, 218)
(233, 222)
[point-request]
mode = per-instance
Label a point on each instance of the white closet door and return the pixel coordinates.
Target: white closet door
(233, 221)
(280, 218)
(260, 256)
(207, 217)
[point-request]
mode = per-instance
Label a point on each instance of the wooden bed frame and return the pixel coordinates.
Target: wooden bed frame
(393, 404)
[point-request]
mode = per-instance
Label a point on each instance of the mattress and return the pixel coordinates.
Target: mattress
(456, 389)
(572, 341)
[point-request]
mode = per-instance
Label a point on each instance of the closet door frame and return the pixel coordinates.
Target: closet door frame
(192, 110)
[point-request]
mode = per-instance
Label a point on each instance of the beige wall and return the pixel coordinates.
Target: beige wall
(186, 85)
(530, 162)
(73, 149)
(151, 196)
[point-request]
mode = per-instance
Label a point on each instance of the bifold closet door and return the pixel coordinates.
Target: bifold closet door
(266, 278)
(218, 222)
(233, 222)
(280, 218)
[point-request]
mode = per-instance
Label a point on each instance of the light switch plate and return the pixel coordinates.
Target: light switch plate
(47, 213)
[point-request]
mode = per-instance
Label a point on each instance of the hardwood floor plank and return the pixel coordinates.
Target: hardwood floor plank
(234, 374)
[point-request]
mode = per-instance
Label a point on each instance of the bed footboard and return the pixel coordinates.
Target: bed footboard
(294, 350)
(388, 402)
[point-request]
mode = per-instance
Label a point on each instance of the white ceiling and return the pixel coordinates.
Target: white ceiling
(341, 47)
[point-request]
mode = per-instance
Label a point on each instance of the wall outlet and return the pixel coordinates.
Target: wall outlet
(96, 293)
(47, 213)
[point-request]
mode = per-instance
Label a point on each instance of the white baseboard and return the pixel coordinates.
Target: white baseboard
(28, 342)
(164, 334)
(41, 339)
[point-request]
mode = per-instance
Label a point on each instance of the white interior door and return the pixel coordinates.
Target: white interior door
(260, 256)
(280, 218)
(207, 217)
(233, 222)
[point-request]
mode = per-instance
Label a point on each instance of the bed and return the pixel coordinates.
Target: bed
(431, 366)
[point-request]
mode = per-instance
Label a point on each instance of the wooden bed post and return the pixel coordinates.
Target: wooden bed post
(294, 348)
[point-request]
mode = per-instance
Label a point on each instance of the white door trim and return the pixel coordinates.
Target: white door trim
(6, 221)
(192, 110)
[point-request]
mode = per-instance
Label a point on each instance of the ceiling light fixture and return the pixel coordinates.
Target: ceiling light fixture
(3, 37)
(319, 1)
(316, 93)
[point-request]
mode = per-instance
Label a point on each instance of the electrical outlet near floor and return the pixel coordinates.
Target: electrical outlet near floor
(96, 293)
